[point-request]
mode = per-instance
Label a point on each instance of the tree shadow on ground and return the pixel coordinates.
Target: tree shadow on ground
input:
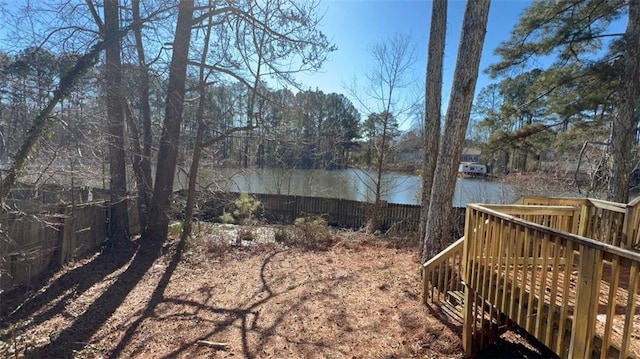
(100, 310)
(62, 290)
(244, 315)
(265, 312)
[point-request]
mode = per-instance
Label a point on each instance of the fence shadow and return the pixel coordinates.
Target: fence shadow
(100, 310)
(64, 288)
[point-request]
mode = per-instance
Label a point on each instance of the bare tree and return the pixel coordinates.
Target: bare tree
(119, 214)
(465, 77)
(432, 103)
(158, 224)
(258, 40)
(142, 153)
(383, 98)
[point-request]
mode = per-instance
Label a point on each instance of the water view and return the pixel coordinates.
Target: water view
(353, 184)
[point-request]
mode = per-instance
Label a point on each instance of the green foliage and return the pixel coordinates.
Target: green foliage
(567, 30)
(381, 130)
(557, 107)
(227, 218)
(175, 229)
(245, 208)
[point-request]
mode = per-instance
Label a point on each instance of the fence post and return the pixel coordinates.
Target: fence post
(586, 307)
(63, 238)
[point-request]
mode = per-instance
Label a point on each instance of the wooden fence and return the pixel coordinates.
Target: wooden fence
(338, 212)
(31, 244)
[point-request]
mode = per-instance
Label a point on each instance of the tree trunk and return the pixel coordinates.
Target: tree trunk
(119, 213)
(375, 218)
(438, 229)
(625, 120)
(145, 181)
(197, 147)
(432, 103)
(170, 140)
(193, 172)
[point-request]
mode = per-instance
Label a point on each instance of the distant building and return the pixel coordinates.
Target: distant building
(471, 154)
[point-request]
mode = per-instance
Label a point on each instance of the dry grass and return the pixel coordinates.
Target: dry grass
(358, 298)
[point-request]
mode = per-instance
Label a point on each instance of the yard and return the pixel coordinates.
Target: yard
(353, 296)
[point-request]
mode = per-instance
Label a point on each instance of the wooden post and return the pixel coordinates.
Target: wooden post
(631, 309)
(583, 227)
(64, 228)
(586, 308)
(469, 294)
(576, 220)
(628, 229)
(635, 223)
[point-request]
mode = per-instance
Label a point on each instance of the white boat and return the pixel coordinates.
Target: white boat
(472, 169)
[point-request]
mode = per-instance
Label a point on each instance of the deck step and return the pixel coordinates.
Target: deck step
(456, 297)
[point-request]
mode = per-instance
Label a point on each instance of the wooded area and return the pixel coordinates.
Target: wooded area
(191, 82)
(129, 95)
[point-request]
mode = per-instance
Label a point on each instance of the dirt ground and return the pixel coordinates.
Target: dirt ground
(353, 296)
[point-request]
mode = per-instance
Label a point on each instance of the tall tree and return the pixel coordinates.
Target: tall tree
(158, 225)
(576, 34)
(142, 155)
(200, 131)
(119, 215)
(433, 103)
(625, 123)
(439, 219)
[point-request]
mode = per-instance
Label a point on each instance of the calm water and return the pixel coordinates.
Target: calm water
(350, 184)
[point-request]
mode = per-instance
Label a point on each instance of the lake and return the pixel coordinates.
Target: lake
(353, 184)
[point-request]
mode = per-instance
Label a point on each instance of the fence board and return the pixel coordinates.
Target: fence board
(30, 245)
(338, 212)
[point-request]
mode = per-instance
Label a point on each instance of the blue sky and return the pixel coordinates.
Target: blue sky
(354, 25)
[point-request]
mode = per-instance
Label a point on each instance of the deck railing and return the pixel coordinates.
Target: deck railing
(607, 222)
(564, 269)
(442, 273)
(442, 276)
(577, 295)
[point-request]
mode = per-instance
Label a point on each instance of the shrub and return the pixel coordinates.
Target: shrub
(227, 218)
(308, 232)
(245, 235)
(175, 229)
(245, 208)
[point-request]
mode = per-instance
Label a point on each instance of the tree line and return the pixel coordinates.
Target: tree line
(154, 85)
(566, 90)
(306, 129)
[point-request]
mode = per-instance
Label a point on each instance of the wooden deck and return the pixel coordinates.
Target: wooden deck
(531, 265)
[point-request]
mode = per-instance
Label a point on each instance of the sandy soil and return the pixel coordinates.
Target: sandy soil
(354, 297)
